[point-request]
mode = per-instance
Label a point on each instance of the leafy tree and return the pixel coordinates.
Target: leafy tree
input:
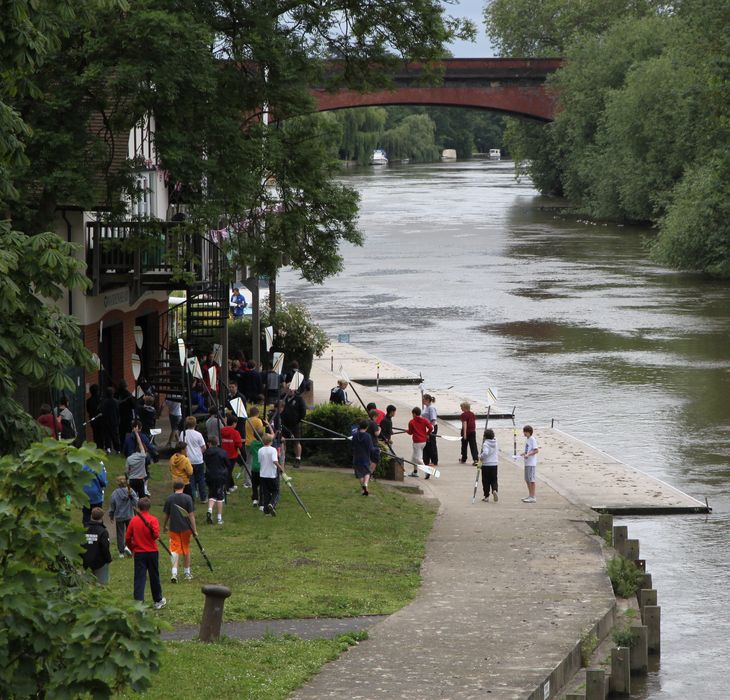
(63, 635)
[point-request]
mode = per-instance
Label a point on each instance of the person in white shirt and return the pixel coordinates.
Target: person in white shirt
(196, 446)
(174, 410)
(530, 457)
(269, 476)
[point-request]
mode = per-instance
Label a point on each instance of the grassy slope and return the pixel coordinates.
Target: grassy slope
(356, 556)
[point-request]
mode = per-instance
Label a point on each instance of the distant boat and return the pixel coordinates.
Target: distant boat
(495, 154)
(448, 154)
(378, 157)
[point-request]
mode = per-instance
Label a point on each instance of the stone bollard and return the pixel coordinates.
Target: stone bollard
(620, 671)
(605, 524)
(215, 598)
(595, 684)
(620, 535)
(652, 619)
(631, 550)
(639, 649)
(646, 582)
(647, 596)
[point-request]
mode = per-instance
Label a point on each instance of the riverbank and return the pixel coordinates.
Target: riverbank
(508, 591)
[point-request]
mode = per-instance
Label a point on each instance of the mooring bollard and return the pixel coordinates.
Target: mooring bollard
(210, 624)
(605, 524)
(620, 671)
(595, 684)
(647, 596)
(652, 619)
(639, 649)
(620, 535)
(631, 550)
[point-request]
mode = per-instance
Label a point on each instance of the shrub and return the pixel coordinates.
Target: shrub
(623, 636)
(588, 644)
(339, 418)
(625, 576)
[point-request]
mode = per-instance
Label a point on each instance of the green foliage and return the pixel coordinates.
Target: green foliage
(623, 636)
(37, 341)
(265, 669)
(625, 576)
(643, 126)
(416, 133)
(339, 418)
(588, 644)
(63, 636)
(295, 334)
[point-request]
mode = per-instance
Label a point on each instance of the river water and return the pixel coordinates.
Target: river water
(465, 278)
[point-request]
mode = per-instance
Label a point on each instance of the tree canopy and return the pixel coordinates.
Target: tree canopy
(643, 126)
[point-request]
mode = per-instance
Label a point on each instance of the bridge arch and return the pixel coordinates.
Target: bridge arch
(511, 86)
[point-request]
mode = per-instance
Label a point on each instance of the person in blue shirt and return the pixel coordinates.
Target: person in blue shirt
(238, 303)
(94, 490)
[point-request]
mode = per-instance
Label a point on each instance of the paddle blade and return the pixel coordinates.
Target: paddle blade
(492, 395)
(239, 408)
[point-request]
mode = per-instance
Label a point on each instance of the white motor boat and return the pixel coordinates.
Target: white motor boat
(378, 157)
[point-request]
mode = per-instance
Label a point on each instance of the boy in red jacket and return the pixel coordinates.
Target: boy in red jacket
(142, 535)
(419, 428)
(231, 442)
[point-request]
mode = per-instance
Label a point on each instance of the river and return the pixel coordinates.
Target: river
(465, 278)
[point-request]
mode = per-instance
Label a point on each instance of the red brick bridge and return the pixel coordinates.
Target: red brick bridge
(513, 86)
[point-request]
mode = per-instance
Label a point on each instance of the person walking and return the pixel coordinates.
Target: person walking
(431, 450)
(122, 503)
(338, 394)
(109, 422)
(468, 433)
(94, 490)
(530, 457)
(270, 470)
(291, 418)
(181, 528)
(365, 455)
(141, 538)
(490, 460)
(196, 447)
(218, 467)
(49, 421)
(231, 442)
(96, 547)
(181, 468)
(174, 412)
(94, 415)
(136, 466)
(419, 429)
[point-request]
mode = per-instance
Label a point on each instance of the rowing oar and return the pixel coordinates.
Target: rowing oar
(287, 481)
(449, 438)
(476, 484)
(423, 467)
(186, 515)
(152, 532)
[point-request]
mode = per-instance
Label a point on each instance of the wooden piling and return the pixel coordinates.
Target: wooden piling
(646, 596)
(595, 684)
(639, 649)
(620, 671)
(631, 550)
(652, 620)
(605, 524)
(575, 696)
(646, 582)
(620, 535)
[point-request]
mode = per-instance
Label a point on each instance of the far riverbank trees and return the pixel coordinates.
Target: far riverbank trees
(643, 129)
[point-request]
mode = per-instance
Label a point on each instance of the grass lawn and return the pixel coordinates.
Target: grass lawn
(265, 669)
(356, 556)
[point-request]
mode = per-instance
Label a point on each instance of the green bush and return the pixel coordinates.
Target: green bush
(339, 418)
(623, 636)
(625, 576)
(588, 644)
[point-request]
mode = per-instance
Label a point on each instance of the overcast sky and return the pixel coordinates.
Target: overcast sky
(474, 10)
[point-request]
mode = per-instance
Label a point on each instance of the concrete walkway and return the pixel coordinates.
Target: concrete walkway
(508, 590)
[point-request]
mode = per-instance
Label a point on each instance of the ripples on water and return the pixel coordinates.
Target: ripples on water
(463, 278)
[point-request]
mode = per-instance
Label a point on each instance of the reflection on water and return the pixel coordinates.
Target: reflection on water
(465, 279)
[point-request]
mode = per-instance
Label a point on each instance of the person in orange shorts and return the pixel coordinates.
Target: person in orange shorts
(180, 527)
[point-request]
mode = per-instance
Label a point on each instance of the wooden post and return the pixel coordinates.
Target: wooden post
(646, 597)
(620, 535)
(595, 684)
(575, 696)
(639, 649)
(605, 524)
(620, 671)
(646, 583)
(652, 620)
(210, 624)
(631, 550)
